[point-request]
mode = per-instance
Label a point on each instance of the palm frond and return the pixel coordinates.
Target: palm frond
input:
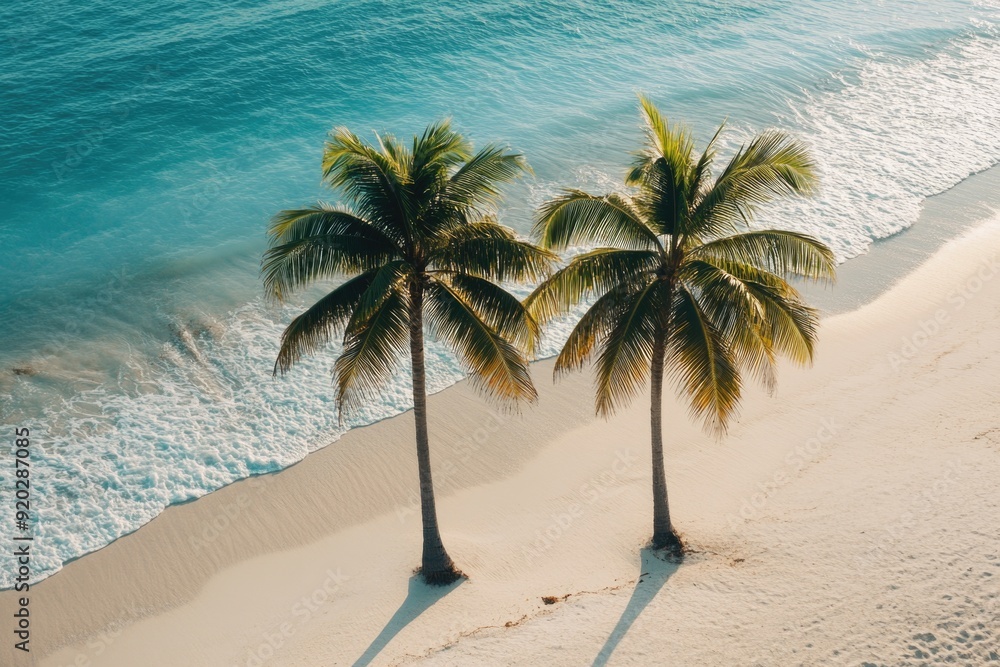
(321, 323)
(439, 145)
(623, 363)
(594, 327)
(388, 279)
(588, 274)
(734, 310)
(436, 152)
(398, 157)
(789, 323)
(700, 359)
(702, 169)
(371, 353)
(490, 250)
(498, 308)
(664, 171)
(772, 166)
(376, 181)
(320, 219)
(783, 253)
(496, 366)
(663, 199)
(313, 244)
(673, 143)
(477, 182)
(579, 218)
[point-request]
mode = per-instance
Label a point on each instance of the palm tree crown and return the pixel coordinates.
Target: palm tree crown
(420, 218)
(419, 237)
(681, 284)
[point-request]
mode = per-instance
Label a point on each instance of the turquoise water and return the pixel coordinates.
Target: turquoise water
(146, 146)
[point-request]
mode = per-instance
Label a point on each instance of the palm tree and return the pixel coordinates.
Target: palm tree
(419, 238)
(681, 282)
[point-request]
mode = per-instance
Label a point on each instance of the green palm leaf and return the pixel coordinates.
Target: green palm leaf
(578, 218)
(375, 181)
(671, 145)
(437, 150)
(478, 181)
(489, 250)
(320, 220)
(773, 166)
(495, 365)
(322, 322)
(788, 323)
(623, 363)
(587, 274)
(320, 243)
(700, 359)
(776, 251)
(703, 169)
(733, 309)
(593, 328)
(372, 351)
(498, 308)
(292, 265)
(387, 280)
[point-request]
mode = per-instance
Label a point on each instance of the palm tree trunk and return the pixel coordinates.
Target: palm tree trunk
(664, 536)
(436, 565)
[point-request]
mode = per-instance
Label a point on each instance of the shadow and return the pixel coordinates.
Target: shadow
(653, 573)
(419, 598)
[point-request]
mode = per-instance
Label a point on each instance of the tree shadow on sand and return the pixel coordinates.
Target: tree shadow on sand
(654, 571)
(419, 598)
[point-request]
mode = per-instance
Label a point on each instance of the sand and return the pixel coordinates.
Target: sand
(850, 519)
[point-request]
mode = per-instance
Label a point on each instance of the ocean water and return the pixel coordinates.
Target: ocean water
(145, 146)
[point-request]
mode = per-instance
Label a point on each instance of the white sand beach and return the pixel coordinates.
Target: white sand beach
(850, 519)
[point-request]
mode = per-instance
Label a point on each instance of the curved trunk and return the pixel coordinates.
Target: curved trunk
(436, 565)
(664, 536)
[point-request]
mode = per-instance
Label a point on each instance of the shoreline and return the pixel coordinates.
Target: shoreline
(943, 217)
(861, 279)
(248, 533)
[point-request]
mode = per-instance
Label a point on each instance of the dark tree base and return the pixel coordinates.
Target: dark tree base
(441, 577)
(670, 544)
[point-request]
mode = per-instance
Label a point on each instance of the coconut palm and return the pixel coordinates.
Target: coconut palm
(418, 238)
(682, 285)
